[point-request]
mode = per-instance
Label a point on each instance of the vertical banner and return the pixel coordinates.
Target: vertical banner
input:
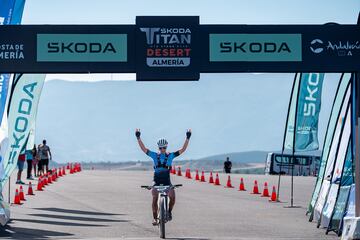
(342, 89)
(289, 134)
(11, 12)
(309, 105)
(304, 111)
(21, 117)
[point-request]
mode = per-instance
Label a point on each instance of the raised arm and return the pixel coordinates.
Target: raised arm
(140, 142)
(186, 143)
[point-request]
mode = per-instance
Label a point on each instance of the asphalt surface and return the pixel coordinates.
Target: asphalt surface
(110, 204)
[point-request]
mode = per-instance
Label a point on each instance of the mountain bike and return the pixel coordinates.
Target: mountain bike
(163, 204)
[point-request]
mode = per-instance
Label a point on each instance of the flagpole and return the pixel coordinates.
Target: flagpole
(294, 142)
(284, 138)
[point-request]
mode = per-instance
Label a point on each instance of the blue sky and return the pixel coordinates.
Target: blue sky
(210, 12)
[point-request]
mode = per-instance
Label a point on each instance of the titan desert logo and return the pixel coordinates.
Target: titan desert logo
(82, 47)
(167, 47)
(255, 47)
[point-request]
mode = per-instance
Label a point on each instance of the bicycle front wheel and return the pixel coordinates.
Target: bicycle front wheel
(162, 216)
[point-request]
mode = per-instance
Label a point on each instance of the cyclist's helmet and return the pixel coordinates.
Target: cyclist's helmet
(162, 143)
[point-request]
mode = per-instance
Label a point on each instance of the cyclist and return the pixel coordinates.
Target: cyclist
(162, 165)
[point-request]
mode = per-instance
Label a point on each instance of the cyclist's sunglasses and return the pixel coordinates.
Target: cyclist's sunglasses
(162, 148)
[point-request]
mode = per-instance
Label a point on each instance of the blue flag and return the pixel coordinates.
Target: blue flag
(11, 12)
(304, 112)
(307, 117)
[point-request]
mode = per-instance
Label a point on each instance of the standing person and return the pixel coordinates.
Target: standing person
(29, 160)
(40, 166)
(20, 165)
(227, 165)
(45, 155)
(162, 164)
(35, 160)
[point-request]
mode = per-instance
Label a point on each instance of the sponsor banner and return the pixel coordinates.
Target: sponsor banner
(69, 48)
(329, 205)
(166, 48)
(22, 113)
(309, 105)
(339, 209)
(81, 47)
(4, 88)
(289, 137)
(350, 209)
(31, 138)
(321, 200)
(255, 47)
(179, 48)
(17, 12)
(346, 48)
(342, 91)
(6, 11)
(347, 177)
(10, 13)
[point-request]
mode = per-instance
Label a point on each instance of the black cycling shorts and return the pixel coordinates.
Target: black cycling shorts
(162, 177)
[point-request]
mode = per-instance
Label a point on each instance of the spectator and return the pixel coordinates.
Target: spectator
(30, 157)
(20, 165)
(45, 155)
(227, 165)
(35, 160)
(40, 167)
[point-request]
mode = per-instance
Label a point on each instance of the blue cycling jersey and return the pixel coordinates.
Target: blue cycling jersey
(162, 157)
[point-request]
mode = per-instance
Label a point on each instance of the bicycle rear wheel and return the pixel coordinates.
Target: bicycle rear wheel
(162, 216)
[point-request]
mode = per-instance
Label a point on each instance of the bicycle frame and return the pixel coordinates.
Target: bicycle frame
(163, 204)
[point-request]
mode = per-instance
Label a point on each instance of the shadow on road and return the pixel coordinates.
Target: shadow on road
(58, 223)
(29, 233)
(189, 238)
(77, 218)
(63, 210)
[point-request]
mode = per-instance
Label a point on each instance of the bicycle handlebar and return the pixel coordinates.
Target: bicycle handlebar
(171, 186)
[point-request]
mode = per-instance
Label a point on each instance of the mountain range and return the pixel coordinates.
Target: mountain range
(95, 121)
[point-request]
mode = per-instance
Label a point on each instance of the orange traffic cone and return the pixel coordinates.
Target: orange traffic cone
(273, 195)
(17, 197)
(197, 178)
(45, 180)
(21, 194)
(211, 179)
(60, 173)
(179, 171)
(189, 173)
(228, 183)
(242, 185)
(265, 191)
(202, 179)
(63, 171)
(30, 190)
(217, 180)
(256, 188)
(39, 185)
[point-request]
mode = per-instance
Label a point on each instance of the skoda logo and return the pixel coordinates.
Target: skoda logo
(316, 46)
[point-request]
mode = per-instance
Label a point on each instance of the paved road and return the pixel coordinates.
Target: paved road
(110, 204)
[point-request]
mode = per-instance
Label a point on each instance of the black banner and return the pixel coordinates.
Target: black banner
(178, 48)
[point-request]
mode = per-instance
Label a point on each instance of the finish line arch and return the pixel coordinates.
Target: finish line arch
(179, 48)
